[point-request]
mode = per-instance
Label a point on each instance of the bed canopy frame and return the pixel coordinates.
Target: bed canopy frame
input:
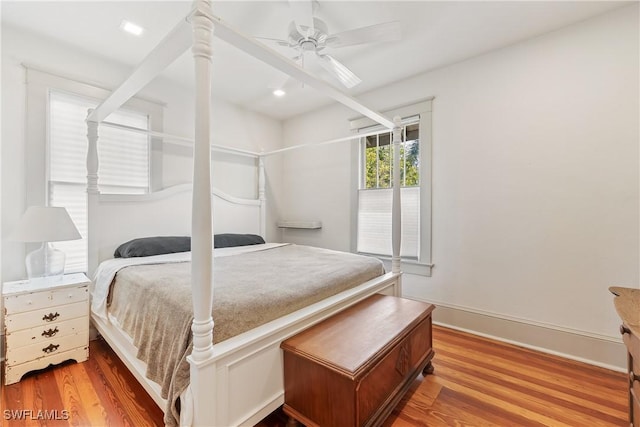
(196, 31)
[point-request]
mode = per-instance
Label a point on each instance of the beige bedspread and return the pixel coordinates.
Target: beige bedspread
(153, 305)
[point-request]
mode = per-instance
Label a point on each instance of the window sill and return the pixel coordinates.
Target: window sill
(408, 266)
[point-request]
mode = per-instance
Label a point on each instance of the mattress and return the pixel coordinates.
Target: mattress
(151, 299)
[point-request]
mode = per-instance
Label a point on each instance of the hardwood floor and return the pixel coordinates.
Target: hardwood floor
(477, 382)
(98, 392)
(482, 382)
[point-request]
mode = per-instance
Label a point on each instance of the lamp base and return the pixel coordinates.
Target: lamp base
(45, 262)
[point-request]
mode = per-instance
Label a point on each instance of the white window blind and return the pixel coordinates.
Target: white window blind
(374, 221)
(124, 163)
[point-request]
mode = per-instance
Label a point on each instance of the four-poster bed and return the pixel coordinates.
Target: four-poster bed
(239, 380)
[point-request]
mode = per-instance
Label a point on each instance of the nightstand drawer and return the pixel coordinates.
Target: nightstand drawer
(45, 333)
(13, 373)
(46, 316)
(42, 350)
(42, 299)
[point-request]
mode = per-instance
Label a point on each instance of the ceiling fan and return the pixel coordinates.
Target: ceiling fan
(309, 37)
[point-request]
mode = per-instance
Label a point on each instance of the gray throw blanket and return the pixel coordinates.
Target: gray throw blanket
(153, 302)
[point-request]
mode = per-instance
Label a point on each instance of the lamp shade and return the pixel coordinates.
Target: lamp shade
(45, 224)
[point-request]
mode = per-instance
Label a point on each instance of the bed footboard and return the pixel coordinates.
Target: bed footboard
(248, 369)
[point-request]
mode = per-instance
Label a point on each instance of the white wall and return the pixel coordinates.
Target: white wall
(318, 180)
(535, 177)
(232, 126)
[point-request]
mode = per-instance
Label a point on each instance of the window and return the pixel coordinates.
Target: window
(124, 163)
(375, 194)
(375, 188)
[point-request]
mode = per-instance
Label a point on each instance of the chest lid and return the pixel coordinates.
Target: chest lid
(361, 335)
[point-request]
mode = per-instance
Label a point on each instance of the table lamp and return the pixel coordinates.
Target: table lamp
(45, 224)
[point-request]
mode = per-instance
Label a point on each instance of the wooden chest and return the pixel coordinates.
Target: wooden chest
(353, 368)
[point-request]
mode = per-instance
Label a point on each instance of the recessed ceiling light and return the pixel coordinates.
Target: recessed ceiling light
(279, 93)
(131, 28)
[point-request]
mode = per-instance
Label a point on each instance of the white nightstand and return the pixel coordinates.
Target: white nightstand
(46, 322)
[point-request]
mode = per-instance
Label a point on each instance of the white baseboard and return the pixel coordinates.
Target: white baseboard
(599, 350)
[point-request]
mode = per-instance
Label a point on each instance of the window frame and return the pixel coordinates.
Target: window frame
(38, 84)
(423, 265)
(69, 188)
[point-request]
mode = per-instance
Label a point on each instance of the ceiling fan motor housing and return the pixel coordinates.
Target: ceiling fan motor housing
(311, 38)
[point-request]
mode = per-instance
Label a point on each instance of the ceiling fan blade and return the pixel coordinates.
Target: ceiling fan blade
(386, 32)
(338, 69)
(279, 42)
(302, 11)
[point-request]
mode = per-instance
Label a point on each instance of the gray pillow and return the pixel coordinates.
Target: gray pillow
(228, 239)
(159, 245)
(148, 246)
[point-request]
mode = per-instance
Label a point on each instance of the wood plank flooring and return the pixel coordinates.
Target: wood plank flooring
(482, 382)
(477, 382)
(98, 392)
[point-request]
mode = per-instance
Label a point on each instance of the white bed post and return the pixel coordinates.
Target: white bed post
(202, 373)
(263, 197)
(93, 193)
(396, 211)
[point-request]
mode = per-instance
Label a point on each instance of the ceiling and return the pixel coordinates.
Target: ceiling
(435, 34)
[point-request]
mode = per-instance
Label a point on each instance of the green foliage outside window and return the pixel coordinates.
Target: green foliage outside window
(379, 161)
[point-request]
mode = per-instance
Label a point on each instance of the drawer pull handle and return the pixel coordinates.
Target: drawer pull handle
(51, 317)
(50, 332)
(633, 377)
(624, 330)
(51, 348)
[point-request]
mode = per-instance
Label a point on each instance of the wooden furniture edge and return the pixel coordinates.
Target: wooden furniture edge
(377, 418)
(371, 362)
(627, 304)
